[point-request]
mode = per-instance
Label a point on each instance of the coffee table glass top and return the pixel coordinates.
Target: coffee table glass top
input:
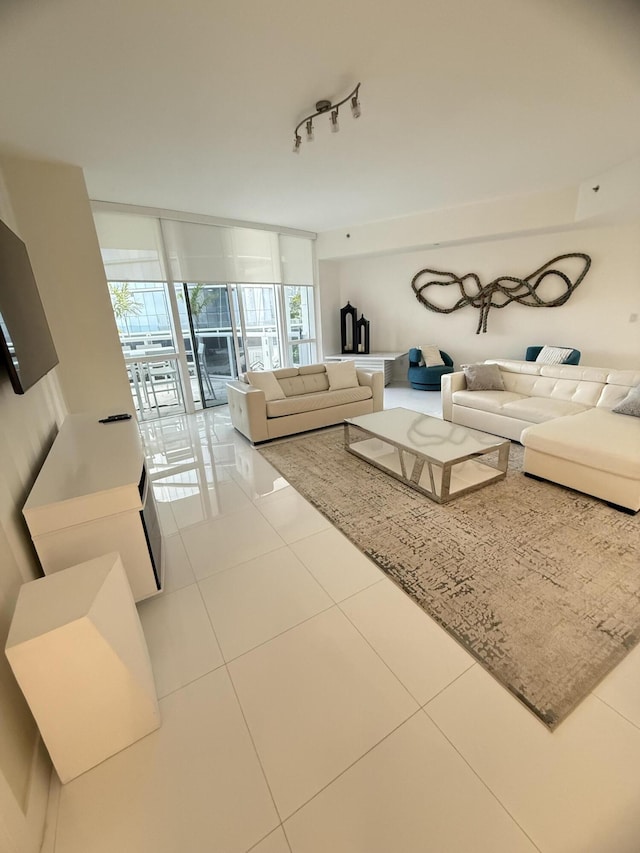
(440, 459)
(430, 437)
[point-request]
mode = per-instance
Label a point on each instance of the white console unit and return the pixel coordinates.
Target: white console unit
(93, 496)
(371, 361)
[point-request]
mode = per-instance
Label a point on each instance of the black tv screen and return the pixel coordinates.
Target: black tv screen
(26, 345)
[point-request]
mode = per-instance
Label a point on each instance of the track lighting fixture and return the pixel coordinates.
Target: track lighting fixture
(326, 107)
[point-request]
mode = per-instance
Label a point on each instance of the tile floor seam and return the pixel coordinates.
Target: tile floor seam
(353, 763)
(615, 710)
(257, 754)
(275, 636)
(351, 594)
(264, 837)
(246, 722)
(199, 524)
(481, 780)
(286, 838)
(244, 718)
(243, 563)
(191, 681)
(447, 686)
(378, 655)
(235, 565)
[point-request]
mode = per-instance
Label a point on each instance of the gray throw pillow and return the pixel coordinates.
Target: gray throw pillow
(630, 405)
(483, 377)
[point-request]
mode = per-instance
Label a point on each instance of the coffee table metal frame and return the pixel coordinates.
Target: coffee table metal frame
(411, 460)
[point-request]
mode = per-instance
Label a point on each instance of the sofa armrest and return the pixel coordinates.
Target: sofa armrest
(451, 382)
(248, 409)
(375, 380)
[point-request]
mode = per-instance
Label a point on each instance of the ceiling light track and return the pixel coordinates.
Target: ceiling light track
(326, 107)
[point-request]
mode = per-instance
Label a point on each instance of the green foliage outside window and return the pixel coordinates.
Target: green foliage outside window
(124, 303)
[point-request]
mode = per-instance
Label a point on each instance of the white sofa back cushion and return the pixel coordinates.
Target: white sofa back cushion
(267, 382)
(342, 374)
(309, 379)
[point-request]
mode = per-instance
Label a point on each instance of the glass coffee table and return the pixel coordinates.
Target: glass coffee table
(440, 459)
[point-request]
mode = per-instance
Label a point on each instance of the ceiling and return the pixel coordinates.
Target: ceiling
(191, 104)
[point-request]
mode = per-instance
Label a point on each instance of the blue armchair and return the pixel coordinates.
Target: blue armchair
(427, 378)
(533, 352)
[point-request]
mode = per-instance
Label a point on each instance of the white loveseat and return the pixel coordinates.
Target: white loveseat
(562, 415)
(307, 402)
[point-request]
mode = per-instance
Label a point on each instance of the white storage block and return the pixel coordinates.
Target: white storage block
(78, 652)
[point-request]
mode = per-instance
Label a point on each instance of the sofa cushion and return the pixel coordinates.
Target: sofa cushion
(553, 355)
(485, 401)
(285, 372)
(430, 356)
(342, 374)
(306, 369)
(304, 383)
(573, 389)
(320, 400)
(596, 438)
(515, 366)
(483, 377)
(536, 410)
(630, 405)
(520, 406)
(267, 382)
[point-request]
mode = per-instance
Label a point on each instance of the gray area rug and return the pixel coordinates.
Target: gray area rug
(541, 584)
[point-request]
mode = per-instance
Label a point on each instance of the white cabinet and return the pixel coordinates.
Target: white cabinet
(371, 361)
(93, 496)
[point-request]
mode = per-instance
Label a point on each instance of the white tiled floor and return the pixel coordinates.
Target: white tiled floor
(309, 706)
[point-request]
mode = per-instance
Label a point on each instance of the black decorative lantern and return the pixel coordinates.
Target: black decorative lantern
(348, 339)
(362, 336)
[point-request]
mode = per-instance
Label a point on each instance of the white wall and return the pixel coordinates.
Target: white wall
(595, 320)
(329, 301)
(54, 217)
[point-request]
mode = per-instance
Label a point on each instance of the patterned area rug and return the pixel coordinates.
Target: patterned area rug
(541, 584)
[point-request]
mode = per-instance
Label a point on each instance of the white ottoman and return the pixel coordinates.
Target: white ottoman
(77, 650)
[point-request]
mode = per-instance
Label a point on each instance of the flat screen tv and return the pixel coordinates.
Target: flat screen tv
(26, 345)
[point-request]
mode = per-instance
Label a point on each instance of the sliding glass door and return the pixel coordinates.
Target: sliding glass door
(208, 328)
(228, 329)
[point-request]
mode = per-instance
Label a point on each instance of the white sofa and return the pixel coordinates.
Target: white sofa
(308, 402)
(562, 415)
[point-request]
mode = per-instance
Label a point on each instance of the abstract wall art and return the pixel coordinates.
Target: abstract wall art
(502, 291)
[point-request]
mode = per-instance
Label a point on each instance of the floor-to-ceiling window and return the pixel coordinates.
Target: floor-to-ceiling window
(196, 305)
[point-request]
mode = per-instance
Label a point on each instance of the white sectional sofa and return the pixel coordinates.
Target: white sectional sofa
(307, 402)
(562, 415)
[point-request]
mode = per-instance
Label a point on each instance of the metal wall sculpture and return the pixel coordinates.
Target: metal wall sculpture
(506, 288)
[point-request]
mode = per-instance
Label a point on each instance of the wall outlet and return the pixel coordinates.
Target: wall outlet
(633, 318)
